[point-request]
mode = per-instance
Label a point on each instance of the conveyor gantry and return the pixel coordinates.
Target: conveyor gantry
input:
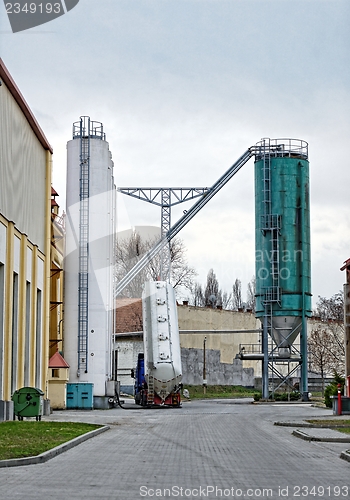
(181, 223)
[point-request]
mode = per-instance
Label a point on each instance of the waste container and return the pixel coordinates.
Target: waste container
(345, 405)
(28, 402)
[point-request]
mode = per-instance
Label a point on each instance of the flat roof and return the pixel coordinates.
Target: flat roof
(16, 93)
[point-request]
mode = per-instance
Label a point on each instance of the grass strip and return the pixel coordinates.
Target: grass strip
(219, 391)
(31, 438)
(339, 425)
(333, 421)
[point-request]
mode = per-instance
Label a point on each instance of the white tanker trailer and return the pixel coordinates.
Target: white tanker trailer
(158, 372)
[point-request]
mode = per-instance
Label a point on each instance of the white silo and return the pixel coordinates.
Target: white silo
(89, 261)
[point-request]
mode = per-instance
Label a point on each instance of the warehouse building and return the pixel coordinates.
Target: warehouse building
(25, 240)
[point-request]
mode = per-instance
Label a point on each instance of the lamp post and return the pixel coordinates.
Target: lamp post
(204, 368)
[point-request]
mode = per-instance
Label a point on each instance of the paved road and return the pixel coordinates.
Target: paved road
(207, 449)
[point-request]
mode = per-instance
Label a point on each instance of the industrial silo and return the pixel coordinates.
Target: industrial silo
(283, 275)
(89, 261)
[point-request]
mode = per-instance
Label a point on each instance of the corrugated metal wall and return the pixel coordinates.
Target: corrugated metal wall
(22, 172)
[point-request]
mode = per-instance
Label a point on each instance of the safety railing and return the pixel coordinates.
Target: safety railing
(295, 148)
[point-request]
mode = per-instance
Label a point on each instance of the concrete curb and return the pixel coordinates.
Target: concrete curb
(312, 426)
(307, 437)
(345, 455)
(273, 402)
(47, 455)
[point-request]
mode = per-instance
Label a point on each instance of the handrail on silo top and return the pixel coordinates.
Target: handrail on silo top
(281, 148)
(85, 128)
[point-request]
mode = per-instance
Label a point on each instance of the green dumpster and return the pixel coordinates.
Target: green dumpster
(28, 402)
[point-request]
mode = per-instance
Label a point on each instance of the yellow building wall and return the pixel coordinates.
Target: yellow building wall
(23, 327)
(25, 240)
(58, 378)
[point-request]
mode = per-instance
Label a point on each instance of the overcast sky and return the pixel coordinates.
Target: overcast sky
(183, 88)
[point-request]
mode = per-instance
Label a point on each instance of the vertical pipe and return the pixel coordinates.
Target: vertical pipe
(303, 333)
(46, 284)
(22, 312)
(204, 368)
(347, 329)
(32, 342)
(339, 400)
(265, 374)
(304, 363)
(8, 317)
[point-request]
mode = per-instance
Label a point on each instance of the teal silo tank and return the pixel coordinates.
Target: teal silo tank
(282, 238)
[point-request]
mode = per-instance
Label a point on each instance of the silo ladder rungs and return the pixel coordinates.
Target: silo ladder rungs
(150, 391)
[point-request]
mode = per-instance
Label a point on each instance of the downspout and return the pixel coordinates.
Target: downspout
(303, 333)
(47, 267)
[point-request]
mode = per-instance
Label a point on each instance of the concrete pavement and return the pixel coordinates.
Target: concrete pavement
(206, 449)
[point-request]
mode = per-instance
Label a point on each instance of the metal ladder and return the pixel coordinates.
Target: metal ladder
(150, 390)
(83, 247)
(266, 180)
(270, 223)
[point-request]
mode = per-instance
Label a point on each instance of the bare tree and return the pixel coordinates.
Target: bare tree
(197, 296)
(226, 300)
(326, 342)
(237, 295)
(251, 294)
(332, 308)
(331, 312)
(130, 250)
(211, 290)
(181, 273)
(323, 353)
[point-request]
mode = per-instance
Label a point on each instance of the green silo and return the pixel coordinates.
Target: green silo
(283, 271)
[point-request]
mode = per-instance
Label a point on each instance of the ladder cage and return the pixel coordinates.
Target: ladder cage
(83, 276)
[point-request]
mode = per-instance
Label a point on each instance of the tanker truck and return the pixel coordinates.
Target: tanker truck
(158, 372)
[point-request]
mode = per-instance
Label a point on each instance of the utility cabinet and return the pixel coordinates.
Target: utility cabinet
(80, 396)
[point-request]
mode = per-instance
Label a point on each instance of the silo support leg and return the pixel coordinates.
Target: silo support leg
(304, 363)
(265, 363)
